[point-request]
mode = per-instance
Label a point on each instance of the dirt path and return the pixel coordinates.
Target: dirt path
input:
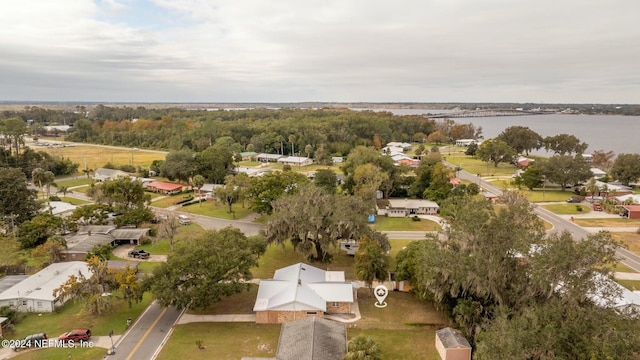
(122, 251)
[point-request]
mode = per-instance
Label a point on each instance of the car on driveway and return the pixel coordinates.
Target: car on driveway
(597, 207)
(139, 254)
(75, 335)
(573, 200)
(31, 341)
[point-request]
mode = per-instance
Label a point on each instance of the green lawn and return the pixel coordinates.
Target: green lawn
(405, 344)
(396, 246)
(630, 239)
(167, 201)
(74, 201)
(223, 341)
(620, 267)
(384, 223)
(618, 222)
(241, 303)
(567, 209)
(78, 181)
(277, 257)
(73, 315)
(218, 210)
(632, 285)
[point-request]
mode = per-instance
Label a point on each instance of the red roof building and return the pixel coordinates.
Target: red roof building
(166, 188)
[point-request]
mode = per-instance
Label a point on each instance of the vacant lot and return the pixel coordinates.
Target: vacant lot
(607, 222)
(631, 240)
(94, 157)
(567, 209)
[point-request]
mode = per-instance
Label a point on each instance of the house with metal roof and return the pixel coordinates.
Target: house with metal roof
(104, 174)
(35, 293)
(410, 207)
(295, 160)
(312, 339)
(300, 291)
(80, 244)
(164, 187)
(265, 158)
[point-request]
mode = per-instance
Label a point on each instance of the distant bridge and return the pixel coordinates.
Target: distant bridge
(485, 113)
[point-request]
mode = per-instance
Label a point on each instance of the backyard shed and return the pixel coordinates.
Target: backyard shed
(451, 345)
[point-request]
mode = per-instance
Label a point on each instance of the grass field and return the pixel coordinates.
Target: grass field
(73, 315)
(218, 210)
(223, 341)
(632, 285)
(384, 223)
(94, 157)
(617, 222)
(630, 239)
(620, 267)
(567, 209)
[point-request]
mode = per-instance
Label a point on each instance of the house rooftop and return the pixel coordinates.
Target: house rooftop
(452, 338)
(41, 284)
(312, 339)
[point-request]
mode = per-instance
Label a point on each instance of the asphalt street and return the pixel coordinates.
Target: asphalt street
(146, 336)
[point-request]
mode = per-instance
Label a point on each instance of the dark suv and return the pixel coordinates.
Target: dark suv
(31, 341)
(75, 335)
(139, 254)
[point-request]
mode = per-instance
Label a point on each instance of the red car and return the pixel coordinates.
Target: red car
(76, 335)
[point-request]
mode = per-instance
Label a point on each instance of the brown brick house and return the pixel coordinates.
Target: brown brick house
(300, 291)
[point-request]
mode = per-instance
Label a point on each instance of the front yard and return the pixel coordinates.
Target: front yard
(384, 223)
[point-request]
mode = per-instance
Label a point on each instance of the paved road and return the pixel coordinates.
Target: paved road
(559, 223)
(147, 335)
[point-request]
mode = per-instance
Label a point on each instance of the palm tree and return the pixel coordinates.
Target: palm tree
(280, 139)
(363, 348)
(592, 187)
(292, 140)
(198, 182)
(64, 190)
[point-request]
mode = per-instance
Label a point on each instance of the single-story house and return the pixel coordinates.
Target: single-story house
(392, 150)
(625, 302)
(524, 161)
(35, 294)
(248, 155)
(409, 207)
(402, 145)
(633, 211)
(337, 159)
(597, 173)
(489, 196)
(295, 160)
(466, 142)
(610, 189)
(165, 188)
(250, 171)
(312, 339)
(265, 158)
(300, 291)
(588, 158)
(59, 208)
(82, 243)
(103, 174)
(629, 199)
(207, 191)
(52, 130)
(451, 345)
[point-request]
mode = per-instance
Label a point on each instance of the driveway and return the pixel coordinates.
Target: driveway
(122, 251)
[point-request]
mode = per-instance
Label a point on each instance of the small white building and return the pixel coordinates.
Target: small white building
(410, 207)
(265, 158)
(59, 208)
(597, 173)
(295, 161)
(35, 293)
(104, 174)
(466, 142)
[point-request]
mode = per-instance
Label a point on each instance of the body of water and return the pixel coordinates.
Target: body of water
(620, 134)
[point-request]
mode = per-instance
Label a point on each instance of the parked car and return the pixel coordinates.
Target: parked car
(139, 254)
(75, 335)
(624, 213)
(184, 220)
(573, 200)
(31, 341)
(597, 207)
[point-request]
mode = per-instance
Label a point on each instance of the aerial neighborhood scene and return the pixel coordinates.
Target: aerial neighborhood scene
(292, 181)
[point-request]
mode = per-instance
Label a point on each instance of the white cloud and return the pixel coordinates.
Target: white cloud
(250, 50)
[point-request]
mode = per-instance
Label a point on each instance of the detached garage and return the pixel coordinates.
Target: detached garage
(633, 211)
(451, 345)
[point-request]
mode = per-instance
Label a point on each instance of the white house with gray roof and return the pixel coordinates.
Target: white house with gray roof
(300, 291)
(35, 293)
(410, 207)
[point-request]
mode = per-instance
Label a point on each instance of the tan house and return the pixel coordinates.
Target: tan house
(300, 291)
(451, 345)
(295, 161)
(411, 207)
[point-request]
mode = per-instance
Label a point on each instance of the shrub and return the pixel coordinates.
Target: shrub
(415, 218)
(146, 241)
(579, 208)
(54, 198)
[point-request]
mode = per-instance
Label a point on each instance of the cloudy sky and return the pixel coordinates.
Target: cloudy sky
(581, 51)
